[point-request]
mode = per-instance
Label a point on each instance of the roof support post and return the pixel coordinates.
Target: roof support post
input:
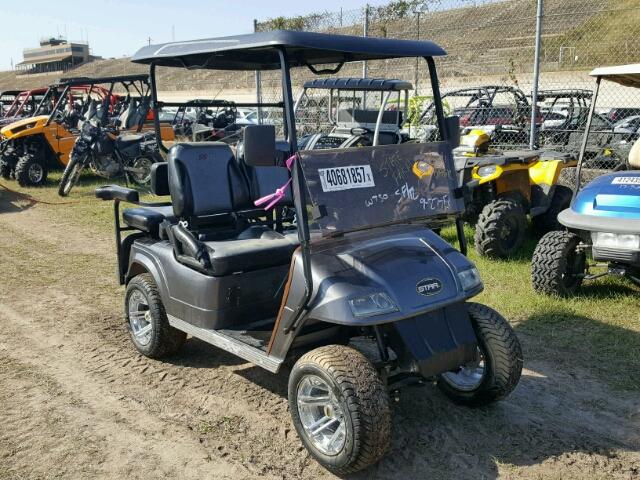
(154, 106)
(299, 187)
(585, 137)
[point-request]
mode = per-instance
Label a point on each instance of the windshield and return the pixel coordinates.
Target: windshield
(361, 188)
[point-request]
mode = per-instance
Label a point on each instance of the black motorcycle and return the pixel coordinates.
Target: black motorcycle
(110, 155)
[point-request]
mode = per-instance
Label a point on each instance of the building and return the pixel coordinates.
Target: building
(54, 55)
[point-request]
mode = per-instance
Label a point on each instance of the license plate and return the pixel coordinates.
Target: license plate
(626, 181)
(346, 178)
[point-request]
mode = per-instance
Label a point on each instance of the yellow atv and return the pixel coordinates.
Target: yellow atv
(502, 188)
(32, 146)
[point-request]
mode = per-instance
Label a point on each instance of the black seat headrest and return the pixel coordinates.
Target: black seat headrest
(160, 179)
(260, 145)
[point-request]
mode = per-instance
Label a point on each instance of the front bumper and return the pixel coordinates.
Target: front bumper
(593, 223)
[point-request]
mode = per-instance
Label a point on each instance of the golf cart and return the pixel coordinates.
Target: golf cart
(30, 147)
(359, 111)
(502, 189)
(603, 221)
(371, 299)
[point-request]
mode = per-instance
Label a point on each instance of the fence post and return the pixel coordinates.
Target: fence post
(258, 81)
(417, 67)
(533, 138)
(365, 33)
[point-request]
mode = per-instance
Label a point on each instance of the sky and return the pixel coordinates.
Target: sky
(116, 28)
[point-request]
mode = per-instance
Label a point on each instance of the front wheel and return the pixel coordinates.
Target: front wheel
(31, 170)
(558, 266)
(70, 175)
(500, 229)
(340, 408)
(498, 366)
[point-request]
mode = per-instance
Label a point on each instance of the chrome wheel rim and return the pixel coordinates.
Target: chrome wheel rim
(142, 175)
(140, 318)
(321, 415)
(468, 377)
(35, 173)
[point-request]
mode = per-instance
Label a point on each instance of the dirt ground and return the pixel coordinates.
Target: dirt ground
(77, 401)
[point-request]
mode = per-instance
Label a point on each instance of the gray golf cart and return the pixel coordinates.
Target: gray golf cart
(359, 112)
(371, 299)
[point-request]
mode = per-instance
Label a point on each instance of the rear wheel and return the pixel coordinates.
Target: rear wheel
(500, 229)
(70, 176)
(558, 266)
(498, 367)
(141, 174)
(31, 170)
(340, 408)
(147, 320)
(548, 221)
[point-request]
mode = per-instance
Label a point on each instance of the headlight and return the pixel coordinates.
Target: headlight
(627, 241)
(372, 304)
(470, 278)
(487, 170)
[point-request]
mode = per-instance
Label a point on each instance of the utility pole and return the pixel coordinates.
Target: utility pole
(533, 138)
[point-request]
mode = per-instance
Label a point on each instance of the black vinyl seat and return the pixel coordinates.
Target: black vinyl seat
(124, 141)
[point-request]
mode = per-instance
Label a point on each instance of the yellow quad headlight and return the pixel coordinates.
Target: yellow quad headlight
(422, 169)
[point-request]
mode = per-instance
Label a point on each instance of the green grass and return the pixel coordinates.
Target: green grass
(598, 330)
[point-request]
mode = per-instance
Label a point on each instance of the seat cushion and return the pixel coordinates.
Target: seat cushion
(148, 219)
(124, 141)
(254, 248)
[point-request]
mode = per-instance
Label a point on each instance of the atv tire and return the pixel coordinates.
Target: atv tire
(5, 170)
(355, 395)
(31, 171)
(557, 267)
(500, 229)
(501, 353)
(548, 221)
(162, 340)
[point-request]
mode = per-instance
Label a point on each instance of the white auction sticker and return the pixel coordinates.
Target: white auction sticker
(626, 181)
(346, 178)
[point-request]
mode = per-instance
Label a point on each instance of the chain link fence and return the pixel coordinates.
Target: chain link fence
(487, 75)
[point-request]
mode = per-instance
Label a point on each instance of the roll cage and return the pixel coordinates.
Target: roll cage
(136, 84)
(283, 50)
(625, 75)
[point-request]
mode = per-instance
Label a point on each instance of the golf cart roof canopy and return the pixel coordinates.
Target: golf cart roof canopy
(627, 75)
(71, 81)
(260, 51)
(360, 84)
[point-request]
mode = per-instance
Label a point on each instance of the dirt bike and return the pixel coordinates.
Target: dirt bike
(110, 155)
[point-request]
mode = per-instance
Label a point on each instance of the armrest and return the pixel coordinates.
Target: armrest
(116, 192)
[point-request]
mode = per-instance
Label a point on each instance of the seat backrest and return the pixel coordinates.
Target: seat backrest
(125, 118)
(204, 179)
(634, 155)
(92, 110)
(261, 162)
(351, 116)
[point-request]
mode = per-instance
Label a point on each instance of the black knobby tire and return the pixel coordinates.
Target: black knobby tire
(548, 221)
(70, 175)
(557, 267)
(165, 340)
(500, 228)
(5, 170)
(502, 359)
(25, 169)
(365, 399)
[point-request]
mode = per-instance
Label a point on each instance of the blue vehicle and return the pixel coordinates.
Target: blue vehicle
(340, 268)
(603, 221)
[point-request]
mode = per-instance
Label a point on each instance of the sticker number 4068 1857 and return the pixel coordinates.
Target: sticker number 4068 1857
(346, 178)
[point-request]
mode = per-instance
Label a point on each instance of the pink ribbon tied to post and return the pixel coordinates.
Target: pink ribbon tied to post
(273, 198)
